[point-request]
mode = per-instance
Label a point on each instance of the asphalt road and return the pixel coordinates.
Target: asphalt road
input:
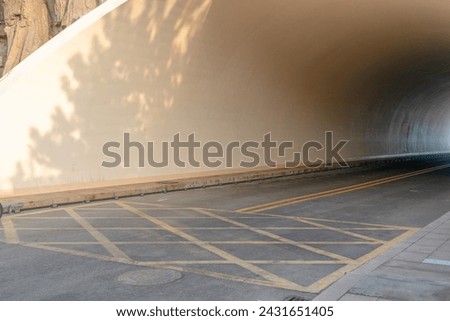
(266, 240)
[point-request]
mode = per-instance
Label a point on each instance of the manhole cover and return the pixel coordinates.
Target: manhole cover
(150, 277)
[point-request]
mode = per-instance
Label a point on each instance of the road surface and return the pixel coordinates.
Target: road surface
(266, 240)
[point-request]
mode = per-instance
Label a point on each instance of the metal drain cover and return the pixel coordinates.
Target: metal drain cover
(150, 277)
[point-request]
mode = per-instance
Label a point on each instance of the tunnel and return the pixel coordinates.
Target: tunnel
(374, 74)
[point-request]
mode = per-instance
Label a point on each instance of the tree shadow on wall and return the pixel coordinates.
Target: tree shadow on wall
(128, 82)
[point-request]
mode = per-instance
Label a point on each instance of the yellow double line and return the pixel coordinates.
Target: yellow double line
(337, 191)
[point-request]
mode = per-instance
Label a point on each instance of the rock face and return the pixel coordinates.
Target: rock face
(27, 24)
(3, 41)
(65, 12)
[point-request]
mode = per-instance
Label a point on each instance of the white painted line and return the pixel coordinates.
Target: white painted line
(436, 262)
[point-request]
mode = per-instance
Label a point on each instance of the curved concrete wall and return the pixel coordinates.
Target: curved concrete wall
(375, 73)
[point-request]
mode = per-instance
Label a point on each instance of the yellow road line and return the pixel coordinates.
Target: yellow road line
(11, 235)
(79, 253)
(95, 204)
(269, 262)
(104, 241)
(207, 242)
(45, 246)
(30, 218)
(370, 228)
(227, 277)
(156, 209)
(144, 203)
(174, 265)
(162, 229)
(38, 212)
(330, 278)
(225, 255)
(337, 191)
(44, 218)
(277, 237)
(109, 209)
(236, 278)
(335, 229)
(381, 226)
(60, 208)
(251, 265)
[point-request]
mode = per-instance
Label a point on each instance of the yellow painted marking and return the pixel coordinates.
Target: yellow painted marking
(37, 212)
(158, 209)
(371, 229)
(45, 246)
(79, 253)
(395, 227)
(153, 206)
(337, 191)
(60, 208)
(209, 228)
(11, 235)
(144, 203)
(222, 276)
(20, 218)
(271, 262)
(236, 278)
(277, 237)
(85, 229)
(158, 264)
(330, 278)
(270, 280)
(209, 242)
(296, 262)
(94, 205)
(228, 277)
(334, 229)
(104, 241)
(339, 242)
(173, 265)
(227, 256)
(109, 209)
(346, 231)
(111, 218)
(134, 218)
(288, 228)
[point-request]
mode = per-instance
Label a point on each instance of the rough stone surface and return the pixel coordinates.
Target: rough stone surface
(25, 25)
(3, 42)
(65, 12)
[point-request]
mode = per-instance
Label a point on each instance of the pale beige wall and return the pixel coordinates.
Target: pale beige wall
(373, 72)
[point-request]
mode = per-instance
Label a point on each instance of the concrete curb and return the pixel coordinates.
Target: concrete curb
(32, 201)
